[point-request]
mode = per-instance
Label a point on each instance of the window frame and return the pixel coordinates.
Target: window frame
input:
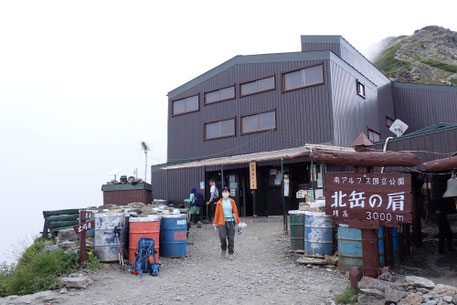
(373, 131)
(259, 130)
(182, 113)
(305, 86)
(205, 138)
(256, 80)
(219, 101)
(357, 83)
(387, 119)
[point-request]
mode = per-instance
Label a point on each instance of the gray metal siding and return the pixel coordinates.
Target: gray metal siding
(303, 116)
(427, 147)
(179, 183)
(321, 46)
(352, 114)
(420, 106)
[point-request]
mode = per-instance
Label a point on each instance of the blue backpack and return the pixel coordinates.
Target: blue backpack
(145, 260)
(199, 201)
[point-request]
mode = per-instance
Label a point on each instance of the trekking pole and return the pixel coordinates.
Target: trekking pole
(120, 255)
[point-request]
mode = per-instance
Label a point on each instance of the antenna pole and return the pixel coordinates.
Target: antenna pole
(146, 166)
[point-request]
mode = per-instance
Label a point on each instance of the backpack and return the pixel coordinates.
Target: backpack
(199, 201)
(145, 260)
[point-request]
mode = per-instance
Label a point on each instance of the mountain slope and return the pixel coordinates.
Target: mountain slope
(428, 56)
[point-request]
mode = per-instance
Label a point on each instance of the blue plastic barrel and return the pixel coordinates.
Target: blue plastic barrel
(173, 235)
(396, 245)
(350, 252)
(382, 260)
(318, 234)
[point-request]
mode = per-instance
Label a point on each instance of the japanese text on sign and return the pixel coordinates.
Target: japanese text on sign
(381, 198)
(83, 227)
(252, 176)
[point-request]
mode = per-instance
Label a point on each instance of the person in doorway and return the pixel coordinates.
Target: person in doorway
(194, 208)
(225, 219)
(439, 211)
(214, 196)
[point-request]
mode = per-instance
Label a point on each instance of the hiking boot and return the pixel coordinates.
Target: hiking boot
(231, 257)
(223, 252)
(199, 224)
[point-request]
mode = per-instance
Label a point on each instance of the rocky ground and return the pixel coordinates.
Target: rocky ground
(263, 272)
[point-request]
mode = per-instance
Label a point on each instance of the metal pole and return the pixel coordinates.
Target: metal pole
(146, 166)
(285, 229)
(222, 175)
(243, 179)
(166, 185)
(312, 178)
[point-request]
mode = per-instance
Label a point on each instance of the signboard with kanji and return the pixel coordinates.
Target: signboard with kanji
(252, 176)
(369, 200)
(83, 227)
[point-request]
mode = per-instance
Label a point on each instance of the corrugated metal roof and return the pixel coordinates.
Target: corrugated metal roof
(254, 157)
(417, 86)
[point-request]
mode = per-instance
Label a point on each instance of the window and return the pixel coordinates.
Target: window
(303, 78)
(360, 89)
(389, 122)
(189, 104)
(220, 95)
(258, 122)
(257, 86)
(220, 129)
(373, 136)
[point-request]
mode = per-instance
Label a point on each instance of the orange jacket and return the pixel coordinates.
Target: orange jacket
(219, 218)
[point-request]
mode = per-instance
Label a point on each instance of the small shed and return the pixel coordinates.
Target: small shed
(121, 194)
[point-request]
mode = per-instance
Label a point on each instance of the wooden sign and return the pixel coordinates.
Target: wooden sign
(252, 176)
(369, 200)
(83, 227)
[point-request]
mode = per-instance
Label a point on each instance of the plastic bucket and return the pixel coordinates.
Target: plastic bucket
(173, 235)
(106, 248)
(297, 230)
(143, 227)
(350, 252)
(318, 234)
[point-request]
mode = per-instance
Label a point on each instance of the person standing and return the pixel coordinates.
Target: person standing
(195, 212)
(225, 219)
(214, 196)
(439, 210)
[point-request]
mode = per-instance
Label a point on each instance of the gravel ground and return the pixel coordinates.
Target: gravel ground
(263, 272)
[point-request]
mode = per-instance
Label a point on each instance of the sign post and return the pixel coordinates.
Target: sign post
(367, 201)
(81, 228)
(253, 185)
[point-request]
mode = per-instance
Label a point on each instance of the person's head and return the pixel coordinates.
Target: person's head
(212, 182)
(225, 193)
(193, 190)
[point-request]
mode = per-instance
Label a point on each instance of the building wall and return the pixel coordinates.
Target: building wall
(303, 116)
(420, 105)
(179, 183)
(352, 114)
(428, 147)
(126, 197)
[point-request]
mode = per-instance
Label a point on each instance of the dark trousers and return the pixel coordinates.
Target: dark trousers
(227, 232)
(197, 217)
(211, 208)
(445, 232)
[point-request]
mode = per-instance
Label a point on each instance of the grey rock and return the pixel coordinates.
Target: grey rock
(394, 295)
(80, 282)
(411, 299)
(364, 299)
(64, 290)
(454, 299)
(52, 248)
(372, 283)
(67, 235)
(418, 281)
(373, 292)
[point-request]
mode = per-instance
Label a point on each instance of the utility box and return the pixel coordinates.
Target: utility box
(125, 193)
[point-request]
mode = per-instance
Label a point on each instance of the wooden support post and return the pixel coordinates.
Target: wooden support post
(406, 249)
(370, 253)
(388, 247)
(82, 240)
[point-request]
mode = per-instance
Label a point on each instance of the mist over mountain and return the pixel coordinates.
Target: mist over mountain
(428, 56)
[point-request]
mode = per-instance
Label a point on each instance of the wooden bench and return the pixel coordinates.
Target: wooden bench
(57, 220)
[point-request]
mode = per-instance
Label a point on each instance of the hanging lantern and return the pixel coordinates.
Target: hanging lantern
(451, 190)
